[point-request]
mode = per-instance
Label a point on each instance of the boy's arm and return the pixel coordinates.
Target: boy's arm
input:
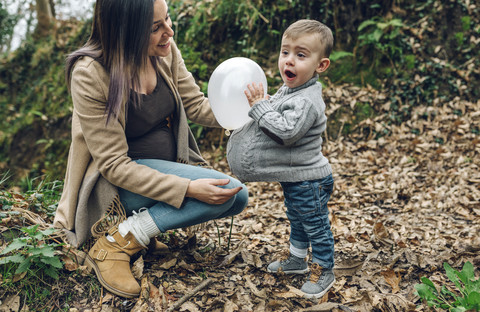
(287, 126)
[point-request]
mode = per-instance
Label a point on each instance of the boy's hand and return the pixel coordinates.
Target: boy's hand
(254, 93)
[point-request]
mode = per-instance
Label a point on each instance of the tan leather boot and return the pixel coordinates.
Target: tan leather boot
(111, 262)
(156, 247)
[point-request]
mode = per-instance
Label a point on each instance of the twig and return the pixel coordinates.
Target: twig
(189, 295)
(340, 130)
(230, 235)
(218, 233)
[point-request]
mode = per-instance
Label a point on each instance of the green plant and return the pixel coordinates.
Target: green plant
(229, 234)
(466, 297)
(384, 37)
(45, 197)
(27, 184)
(197, 130)
(4, 177)
(336, 55)
(30, 254)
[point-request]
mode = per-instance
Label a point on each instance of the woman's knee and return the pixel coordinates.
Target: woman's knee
(237, 203)
(242, 196)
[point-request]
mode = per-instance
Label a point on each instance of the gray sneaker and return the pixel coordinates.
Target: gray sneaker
(290, 265)
(320, 282)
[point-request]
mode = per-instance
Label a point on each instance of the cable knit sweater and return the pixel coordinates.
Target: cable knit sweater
(283, 142)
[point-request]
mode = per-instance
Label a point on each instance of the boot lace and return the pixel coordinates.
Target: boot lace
(284, 256)
(316, 272)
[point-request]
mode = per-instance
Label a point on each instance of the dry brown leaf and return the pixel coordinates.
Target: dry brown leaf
(350, 237)
(230, 306)
(137, 268)
(291, 293)
(379, 230)
(107, 299)
(347, 267)
(278, 306)
(11, 303)
(19, 276)
(230, 258)
(251, 259)
(393, 279)
(167, 265)
(259, 293)
(322, 307)
(69, 264)
(189, 307)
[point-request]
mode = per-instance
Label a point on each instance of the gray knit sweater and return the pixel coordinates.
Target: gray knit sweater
(283, 142)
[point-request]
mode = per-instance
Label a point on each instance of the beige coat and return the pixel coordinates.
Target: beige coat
(98, 161)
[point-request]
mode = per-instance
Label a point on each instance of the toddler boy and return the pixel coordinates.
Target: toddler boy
(283, 143)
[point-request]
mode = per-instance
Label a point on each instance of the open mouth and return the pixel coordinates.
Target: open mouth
(289, 74)
(164, 44)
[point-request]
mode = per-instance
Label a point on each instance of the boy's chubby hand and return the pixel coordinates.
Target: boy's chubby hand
(255, 93)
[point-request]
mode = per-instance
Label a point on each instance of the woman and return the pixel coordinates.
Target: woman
(132, 95)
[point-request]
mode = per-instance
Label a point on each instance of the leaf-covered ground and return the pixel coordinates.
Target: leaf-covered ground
(403, 205)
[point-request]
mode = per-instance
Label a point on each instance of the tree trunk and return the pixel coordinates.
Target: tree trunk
(45, 19)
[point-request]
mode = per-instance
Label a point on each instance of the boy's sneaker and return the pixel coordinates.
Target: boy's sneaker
(320, 282)
(290, 265)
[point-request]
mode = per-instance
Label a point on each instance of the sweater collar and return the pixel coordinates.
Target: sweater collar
(307, 84)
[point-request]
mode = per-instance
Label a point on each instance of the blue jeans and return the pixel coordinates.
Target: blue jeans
(307, 211)
(192, 211)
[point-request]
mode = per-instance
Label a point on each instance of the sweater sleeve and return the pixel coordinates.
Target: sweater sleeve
(108, 146)
(287, 125)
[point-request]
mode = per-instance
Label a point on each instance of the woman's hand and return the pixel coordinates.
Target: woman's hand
(207, 191)
(254, 93)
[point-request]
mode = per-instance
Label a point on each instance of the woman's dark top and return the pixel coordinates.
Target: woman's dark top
(147, 130)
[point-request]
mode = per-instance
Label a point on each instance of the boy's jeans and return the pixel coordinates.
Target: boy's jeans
(192, 211)
(307, 211)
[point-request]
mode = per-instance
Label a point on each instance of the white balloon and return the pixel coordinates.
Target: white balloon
(226, 90)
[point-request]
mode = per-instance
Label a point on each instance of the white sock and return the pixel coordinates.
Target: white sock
(297, 252)
(141, 225)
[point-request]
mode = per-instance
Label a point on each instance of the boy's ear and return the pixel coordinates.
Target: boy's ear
(323, 65)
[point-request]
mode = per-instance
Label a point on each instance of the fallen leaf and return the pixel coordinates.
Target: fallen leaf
(259, 293)
(11, 303)
(168, 264)
(393, 279)
(137, 268)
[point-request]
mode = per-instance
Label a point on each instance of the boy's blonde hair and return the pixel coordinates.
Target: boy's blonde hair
(305, 26)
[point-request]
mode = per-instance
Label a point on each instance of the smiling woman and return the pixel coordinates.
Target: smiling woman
(132, 151)
(161, 30)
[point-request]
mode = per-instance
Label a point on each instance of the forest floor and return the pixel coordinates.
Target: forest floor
(402, 205)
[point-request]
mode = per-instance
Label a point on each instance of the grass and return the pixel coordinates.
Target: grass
(31, 254)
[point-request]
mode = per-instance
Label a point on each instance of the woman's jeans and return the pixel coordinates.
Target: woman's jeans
(307, 211)
(192, 211)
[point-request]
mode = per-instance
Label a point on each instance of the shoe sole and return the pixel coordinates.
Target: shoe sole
(305, 271)
(91, 265)
(320, 294)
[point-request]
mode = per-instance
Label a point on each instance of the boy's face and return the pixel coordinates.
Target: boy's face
(300, 59)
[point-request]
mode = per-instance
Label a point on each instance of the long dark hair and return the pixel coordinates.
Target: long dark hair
(119, 41)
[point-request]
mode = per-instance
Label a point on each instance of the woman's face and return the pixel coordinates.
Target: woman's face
(161, 30)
